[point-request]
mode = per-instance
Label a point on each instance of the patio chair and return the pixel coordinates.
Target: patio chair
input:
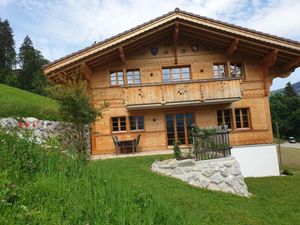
(117, 144)
(137, 142)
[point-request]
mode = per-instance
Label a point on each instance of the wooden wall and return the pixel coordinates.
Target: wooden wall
(153, 137)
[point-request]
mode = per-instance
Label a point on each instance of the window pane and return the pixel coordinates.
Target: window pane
(176, 74)
(140, 120)
(185, 73)
(129, 77)
(115, 124)
(219, 117)
(123, 123)
(236, 70)
(166, 75)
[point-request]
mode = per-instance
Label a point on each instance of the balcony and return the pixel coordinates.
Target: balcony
(184, 93)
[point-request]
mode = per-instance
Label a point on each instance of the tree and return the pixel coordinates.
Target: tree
(7, 52)
(285, 110)
(31, 63)
(289, 90)
(76, 108)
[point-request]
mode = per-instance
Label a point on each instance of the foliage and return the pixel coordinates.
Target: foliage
(62, 190)
(285, 110)
(7, 51)
(31, 62)
(289, 90)
(18, 103)
(177, 151)
(76, 107)
(49, 187)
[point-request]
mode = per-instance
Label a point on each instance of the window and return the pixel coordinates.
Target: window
(116, 78)
(178, 127)
(236, 70)
(242, 118)
(136, 122)
(176, 74)
(219, 71)
(224, 117)
(133, 77)
(118, 124)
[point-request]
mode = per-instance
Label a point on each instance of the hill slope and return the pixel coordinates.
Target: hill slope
(15, 102)
(296, 86)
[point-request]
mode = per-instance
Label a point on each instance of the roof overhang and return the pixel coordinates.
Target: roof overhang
(229, 31)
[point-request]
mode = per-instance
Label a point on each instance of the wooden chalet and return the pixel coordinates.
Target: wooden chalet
(176, 70)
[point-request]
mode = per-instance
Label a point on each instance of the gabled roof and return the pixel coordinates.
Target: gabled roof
(233, 31)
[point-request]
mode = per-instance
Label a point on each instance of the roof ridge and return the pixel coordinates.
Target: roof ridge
(175, 11)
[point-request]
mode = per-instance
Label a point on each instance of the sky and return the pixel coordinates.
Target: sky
(60, 27)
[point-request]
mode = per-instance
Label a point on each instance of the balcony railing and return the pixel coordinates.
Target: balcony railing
(185, 93)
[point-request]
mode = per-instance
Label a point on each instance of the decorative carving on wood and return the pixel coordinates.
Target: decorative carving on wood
(116, 103)
(182, 89)
(253, 93)
(202, 92)
(141, 92)
(163, 92)
(221, 88)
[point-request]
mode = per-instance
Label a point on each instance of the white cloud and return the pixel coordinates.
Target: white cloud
(4, 3)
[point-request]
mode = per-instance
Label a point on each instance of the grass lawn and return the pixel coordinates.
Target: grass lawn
(53, 189)
(15, 102)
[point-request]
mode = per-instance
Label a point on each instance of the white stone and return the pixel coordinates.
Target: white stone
(216, 178)
(8, 123)
(187, 162)
(217, 174)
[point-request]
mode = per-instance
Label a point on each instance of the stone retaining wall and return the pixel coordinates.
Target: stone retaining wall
(222, 174)
(41, 129)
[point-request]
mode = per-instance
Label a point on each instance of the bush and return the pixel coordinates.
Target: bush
(177, 151)
(287, 172)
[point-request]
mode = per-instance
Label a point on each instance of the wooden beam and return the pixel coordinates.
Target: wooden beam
(122, 55)
(268, 60)
(175, 41)
(232, 47)
(292, 64)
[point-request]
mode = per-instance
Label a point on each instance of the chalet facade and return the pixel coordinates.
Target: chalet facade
(176, 70)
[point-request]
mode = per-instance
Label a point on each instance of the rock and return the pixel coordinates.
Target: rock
(224, 171)
(187, 162)
(178, 171)
(208, 171)
(216, 178)
(203, 183)
(235, 169)
(8, 123)
(222, 174)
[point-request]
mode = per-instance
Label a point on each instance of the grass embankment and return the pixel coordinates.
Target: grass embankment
(40, 186)
(15, 102)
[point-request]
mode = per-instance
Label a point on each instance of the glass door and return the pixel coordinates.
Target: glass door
(178, 126)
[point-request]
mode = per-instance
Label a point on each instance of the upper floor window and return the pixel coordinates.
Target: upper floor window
(136, 122)
(118, 124)
(242, 118)
(236, 70)
(176, 74)
(117, 78)
(224, 117)
(133, 77)
(220, 70)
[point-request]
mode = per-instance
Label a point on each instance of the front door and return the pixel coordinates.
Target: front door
(178, 126)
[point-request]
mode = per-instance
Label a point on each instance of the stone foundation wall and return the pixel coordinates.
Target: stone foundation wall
(222, 174)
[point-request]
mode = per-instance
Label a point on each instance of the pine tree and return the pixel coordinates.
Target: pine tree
(289, 90)
(31, 62)
(7, 51)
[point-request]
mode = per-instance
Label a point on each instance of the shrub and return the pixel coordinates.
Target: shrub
(177, 151)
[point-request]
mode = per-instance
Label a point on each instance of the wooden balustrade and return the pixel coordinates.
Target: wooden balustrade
(162, 95)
